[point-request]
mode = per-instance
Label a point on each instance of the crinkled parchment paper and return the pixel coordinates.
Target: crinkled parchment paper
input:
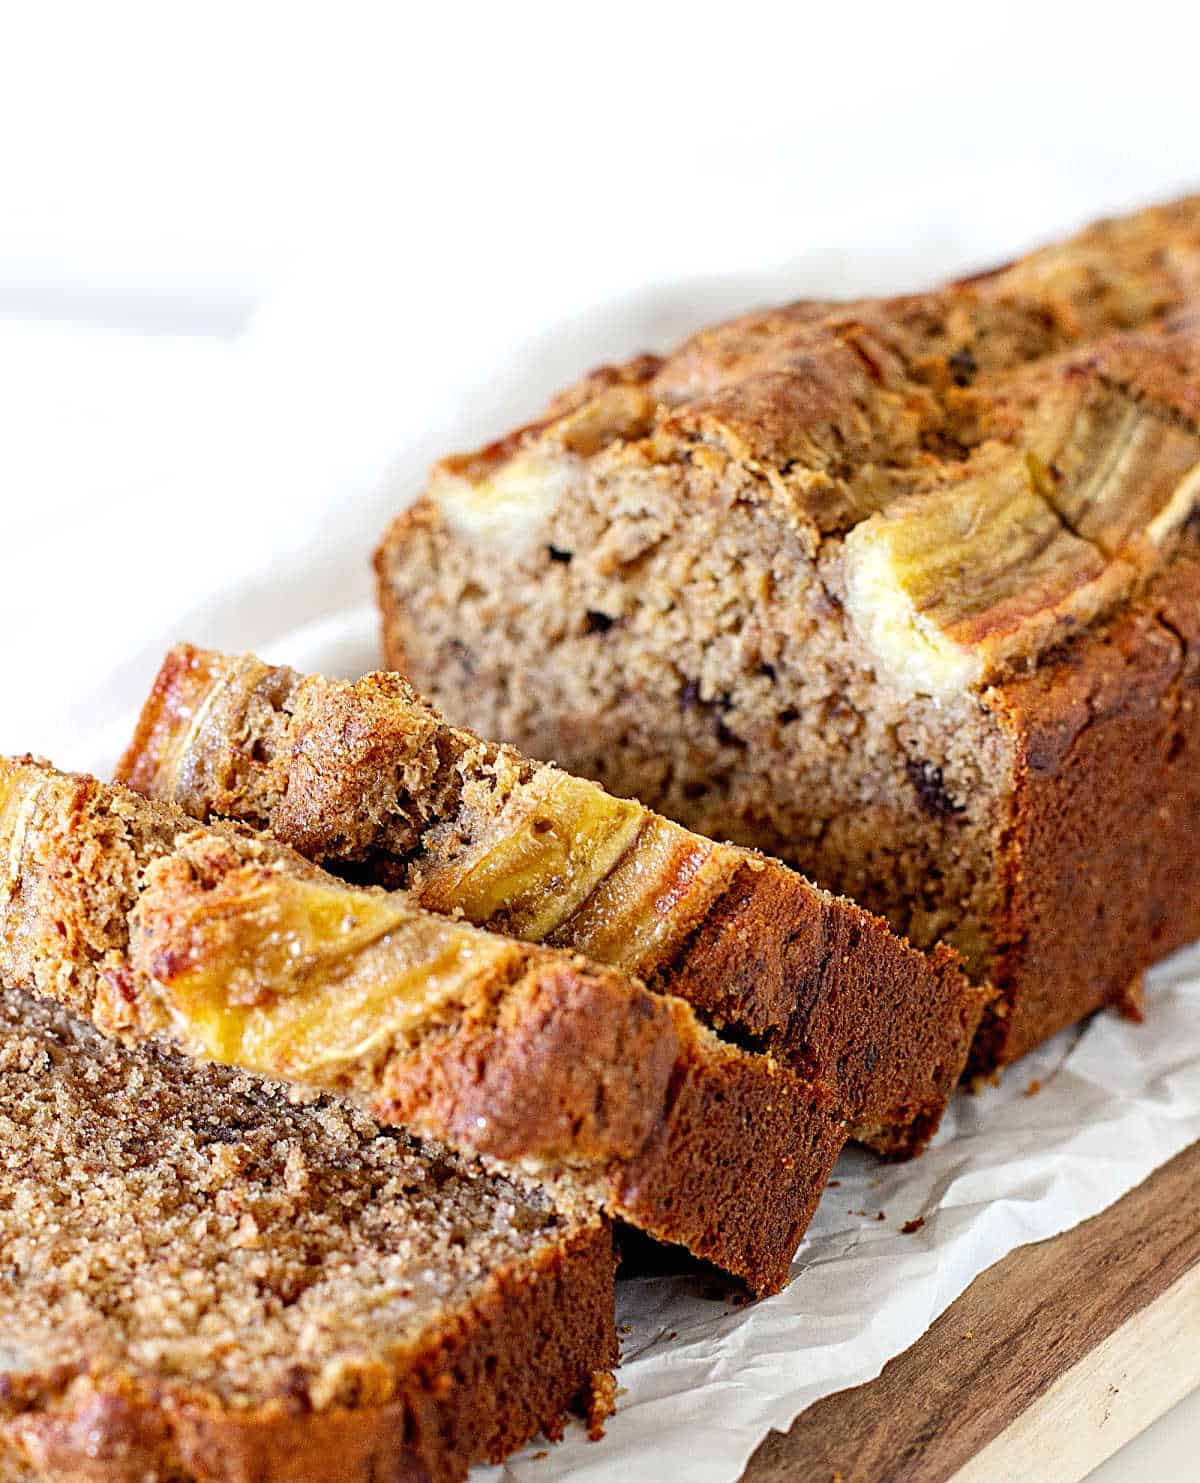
(704, 1380)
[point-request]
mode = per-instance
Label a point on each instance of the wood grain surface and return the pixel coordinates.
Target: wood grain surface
(1027, 1362)
(1127, 1382)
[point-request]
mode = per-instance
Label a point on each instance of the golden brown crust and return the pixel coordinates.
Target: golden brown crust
(840, 997)
(573, 1067)
(751, 944)
(535, 1342)
(1118, 273)
(1102, 849)
(838, 406)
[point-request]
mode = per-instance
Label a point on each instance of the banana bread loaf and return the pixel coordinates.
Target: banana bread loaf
(205, 1282)
(901, 591)
(235, 949)
(367, 777)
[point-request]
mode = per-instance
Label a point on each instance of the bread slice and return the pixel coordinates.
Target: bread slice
(902, 591)
(205, 1279)
(236, 949)
(367, 777)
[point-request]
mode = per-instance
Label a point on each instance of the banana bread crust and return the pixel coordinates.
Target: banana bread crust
(483, 1387)
(819, 982)
(1103, 843)
(845, 993)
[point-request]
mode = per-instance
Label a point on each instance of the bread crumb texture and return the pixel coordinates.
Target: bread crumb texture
(196, 1236)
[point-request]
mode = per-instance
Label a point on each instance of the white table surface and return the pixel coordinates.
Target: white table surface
(1165, 1452)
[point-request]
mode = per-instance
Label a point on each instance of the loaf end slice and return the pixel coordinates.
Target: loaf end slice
(208, 1279)
(369, 779)
(237, 950)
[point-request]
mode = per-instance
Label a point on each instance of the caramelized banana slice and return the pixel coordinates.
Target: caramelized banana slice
(566, 863)
(553, 843)
(660, 888)
(289, 976)
(1119, 475)
(505, 505)
(949, 586)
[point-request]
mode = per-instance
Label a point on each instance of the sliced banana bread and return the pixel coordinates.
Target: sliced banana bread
(367, 777)
(204, 1280)
(902, 591)
(236, 949)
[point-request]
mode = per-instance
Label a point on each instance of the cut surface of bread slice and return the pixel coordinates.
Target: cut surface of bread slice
(236, 949)
(901, 591)
(368, 778)
(206, 1281)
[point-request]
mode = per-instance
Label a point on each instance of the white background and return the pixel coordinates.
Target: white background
(257, 268)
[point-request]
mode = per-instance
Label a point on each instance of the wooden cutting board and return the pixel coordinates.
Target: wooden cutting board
(1048, 1363)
